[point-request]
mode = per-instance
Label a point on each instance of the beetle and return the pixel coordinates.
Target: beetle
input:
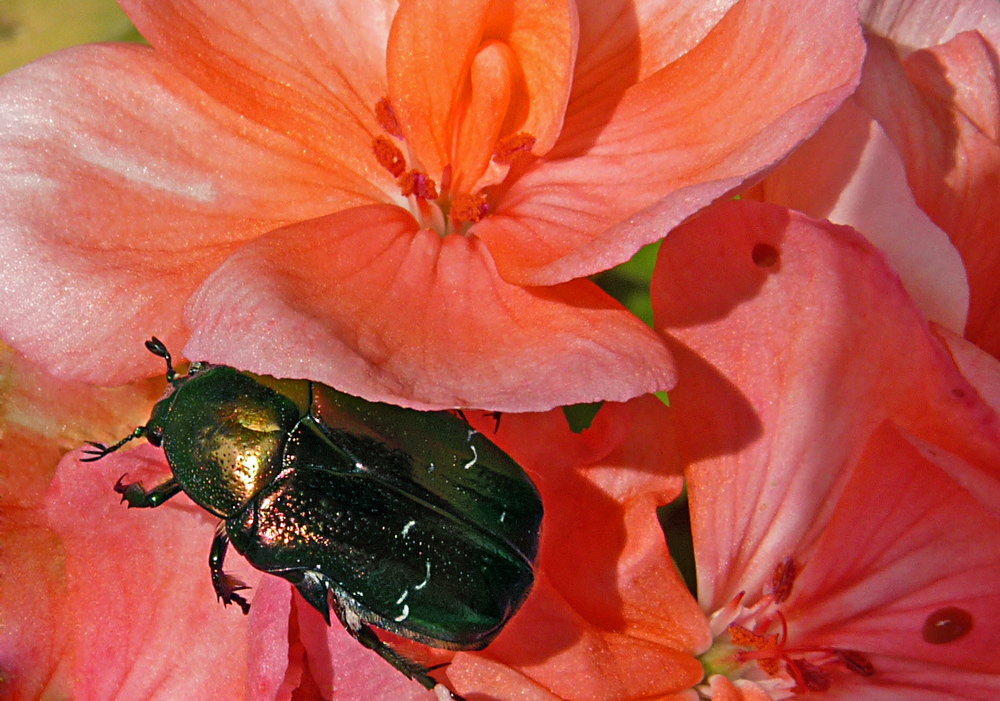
(409, 521)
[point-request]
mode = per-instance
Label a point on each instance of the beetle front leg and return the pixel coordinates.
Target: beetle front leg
(225, 585)
(137, 497)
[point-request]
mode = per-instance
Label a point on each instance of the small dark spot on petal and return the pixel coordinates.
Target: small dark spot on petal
(765, 255)
(957, 392)
(947, 625)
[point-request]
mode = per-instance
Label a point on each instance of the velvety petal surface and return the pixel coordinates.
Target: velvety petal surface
(919, 24)
(141, 614)
(862, 183)
(693, 130)
(122, 187)
(311, 70)
(906, 540)
(941, 108)
(795, 341)
(393, 313)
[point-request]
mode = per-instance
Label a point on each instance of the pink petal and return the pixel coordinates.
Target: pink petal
(609, 617)
(981, 369)
(694, 130)
(917, 24)
(789, 364)
(34, 650)
(904, 542)
(395, 314)
(142, 619)
(862, 183)
(941, 108)
(124, 186)
(311, 70)
(269, 668)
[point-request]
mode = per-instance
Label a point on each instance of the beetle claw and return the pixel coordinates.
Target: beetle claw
(95, 452)
(226, 589)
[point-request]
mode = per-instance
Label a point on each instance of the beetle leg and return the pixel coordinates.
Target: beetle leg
(225, 585)
(138, 497)
(96, 451)
(363, 633)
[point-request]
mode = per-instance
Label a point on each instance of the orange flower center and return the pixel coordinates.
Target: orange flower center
(754, 644)
(443, 206)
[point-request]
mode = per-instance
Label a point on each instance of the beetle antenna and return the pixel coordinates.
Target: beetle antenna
(156, 347)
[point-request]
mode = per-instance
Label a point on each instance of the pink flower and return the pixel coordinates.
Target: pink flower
(843, 466)
(102, 601)
(912, 159)
(399, 203)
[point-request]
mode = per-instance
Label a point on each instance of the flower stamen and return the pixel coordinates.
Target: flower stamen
(386, 117)
(513, 148)
(389, 156)
(419, 185)
(754, 653)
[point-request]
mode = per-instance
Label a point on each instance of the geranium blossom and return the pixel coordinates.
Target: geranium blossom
(844, 475)
(398, 202)
(912, 159)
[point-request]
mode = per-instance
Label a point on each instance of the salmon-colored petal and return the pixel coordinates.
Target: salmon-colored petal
(141, 616)
(609, 617)
(391, 313)
(981, 369)
(725, 690)
(862, 183)
(123, 186)
(311, 70)
(941, 108)
(689, 133)
(798, 340)
(602, 545)
(905, 541)
(916, 24)
(269, 673)
(558, 649)
(35, 652)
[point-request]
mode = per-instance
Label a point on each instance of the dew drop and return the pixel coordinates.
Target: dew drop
(947, 625)
(765, 255)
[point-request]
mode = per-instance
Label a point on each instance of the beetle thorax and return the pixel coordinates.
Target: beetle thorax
(224, 435)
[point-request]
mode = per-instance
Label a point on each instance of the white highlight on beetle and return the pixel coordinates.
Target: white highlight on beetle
(471, 432)
(402, 617)
(427, 577)
(475, 457)
(402, 597)
(407, 527)
(503, 516)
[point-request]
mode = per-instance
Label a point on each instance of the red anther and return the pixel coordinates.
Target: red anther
(469, 208)
(387, 118)
(417, 183)
(810, 676)
(783, 578)
(389, 156)
(510, 148)
(856, 662)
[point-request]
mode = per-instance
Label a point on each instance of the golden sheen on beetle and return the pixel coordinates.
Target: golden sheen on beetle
(410, 521)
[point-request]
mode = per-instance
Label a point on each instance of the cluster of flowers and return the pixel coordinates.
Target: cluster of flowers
(405, 202)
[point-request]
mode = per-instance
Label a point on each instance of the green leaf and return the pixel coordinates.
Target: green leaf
(581, 416)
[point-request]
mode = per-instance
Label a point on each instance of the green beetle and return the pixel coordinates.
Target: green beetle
(406, 520)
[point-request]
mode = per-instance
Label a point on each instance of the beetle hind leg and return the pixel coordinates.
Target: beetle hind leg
(364, 634)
